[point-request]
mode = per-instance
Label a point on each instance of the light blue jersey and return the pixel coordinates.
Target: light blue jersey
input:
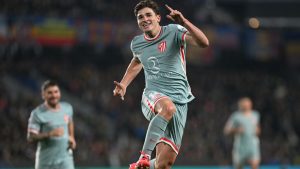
(164, 62)
(246, 144)
(52, 152)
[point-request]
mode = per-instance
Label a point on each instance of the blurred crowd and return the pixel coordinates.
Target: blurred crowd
(77, 8)
(112, 132)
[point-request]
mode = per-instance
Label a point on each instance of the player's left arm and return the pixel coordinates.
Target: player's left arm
(194, 36)
(72, 142)
(258, 130)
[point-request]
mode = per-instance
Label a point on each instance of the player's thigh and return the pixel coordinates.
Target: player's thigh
(165, 107)
(254, 163)
(165, 155)
(254, 159)
(238, 158)
(149, 101)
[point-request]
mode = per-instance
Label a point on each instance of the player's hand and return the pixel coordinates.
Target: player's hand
(175, 16)
(239, 130)
(119, 90)
(72, 142)
(57, 132)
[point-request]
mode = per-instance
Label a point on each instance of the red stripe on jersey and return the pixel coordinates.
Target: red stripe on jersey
(182, 54)
(183, 36)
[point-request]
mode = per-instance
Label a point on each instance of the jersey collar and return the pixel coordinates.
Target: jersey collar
(154, 38)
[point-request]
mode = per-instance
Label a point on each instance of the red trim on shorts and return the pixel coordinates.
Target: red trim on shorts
(151, 107)
(159, 99)
(170, 143)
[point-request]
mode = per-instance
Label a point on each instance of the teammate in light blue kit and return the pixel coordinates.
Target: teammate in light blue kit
(161, 52)
(51, 125)
(244, 125)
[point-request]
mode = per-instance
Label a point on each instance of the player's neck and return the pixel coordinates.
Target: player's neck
(154, 33)
(53, 107)
(247, 112)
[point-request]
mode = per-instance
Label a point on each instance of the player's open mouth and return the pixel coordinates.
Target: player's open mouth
(146, 25)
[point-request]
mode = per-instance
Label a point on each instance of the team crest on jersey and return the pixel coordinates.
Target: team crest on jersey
(162, 46)
(66, 118)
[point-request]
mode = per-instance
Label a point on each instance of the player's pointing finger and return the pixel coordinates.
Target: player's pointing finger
(169, 8)
(118, 84)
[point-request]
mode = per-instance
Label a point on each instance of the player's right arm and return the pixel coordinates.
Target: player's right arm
(33, 136)
(132, 71)
(231, 128)
(34, 126)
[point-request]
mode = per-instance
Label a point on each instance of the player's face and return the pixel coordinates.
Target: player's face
(52, 95)
(245, 105)
(147, 20)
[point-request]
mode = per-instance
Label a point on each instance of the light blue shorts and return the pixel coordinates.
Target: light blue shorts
(67, 163)
(245, 154)
(174, 132)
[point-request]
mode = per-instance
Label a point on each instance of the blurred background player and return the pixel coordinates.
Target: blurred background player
(51, 125)
(160, 51)
(244, 125)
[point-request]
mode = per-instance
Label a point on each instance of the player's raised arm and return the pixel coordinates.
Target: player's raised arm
(195, 36)
(132, 71)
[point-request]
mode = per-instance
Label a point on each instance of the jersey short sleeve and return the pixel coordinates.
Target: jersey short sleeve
(180, 32)
(233, 120)
(134, 53)
(34, 124)
(257, 115)
(68, 109)
(71, 113)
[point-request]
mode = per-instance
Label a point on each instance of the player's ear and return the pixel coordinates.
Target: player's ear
(158, 18)
(43, 95)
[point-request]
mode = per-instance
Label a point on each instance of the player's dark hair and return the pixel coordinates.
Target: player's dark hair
(146, 3)
(47, 84)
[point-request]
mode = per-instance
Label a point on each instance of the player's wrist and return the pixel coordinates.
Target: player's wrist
(184, 22)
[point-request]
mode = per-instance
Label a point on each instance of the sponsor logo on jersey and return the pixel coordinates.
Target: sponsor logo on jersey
(153, 65)
(162, 46)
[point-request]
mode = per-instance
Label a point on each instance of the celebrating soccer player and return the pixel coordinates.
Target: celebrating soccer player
(244, 125)
(51, 125)
(161, 52)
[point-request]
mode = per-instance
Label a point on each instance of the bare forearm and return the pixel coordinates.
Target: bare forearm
(37, 137)
(232, 130)
(71, 129)
(258, 131)
(132, 71)
(227, 131)
(197, 35)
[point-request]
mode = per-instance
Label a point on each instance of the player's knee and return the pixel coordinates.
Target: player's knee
(166, 164)
(169, 111)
